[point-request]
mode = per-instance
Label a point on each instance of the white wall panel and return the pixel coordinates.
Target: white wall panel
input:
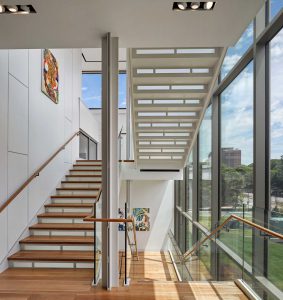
(158, 196)
(68, 149)
(46, 119)
(68, 90)
(3, 124)
(18, 65)
(17, 210)
(18, 116)
(17, 217)
(3, 235)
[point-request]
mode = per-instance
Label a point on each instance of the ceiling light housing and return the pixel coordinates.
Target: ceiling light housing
(12, 8)
(17, 9)
(194, 6)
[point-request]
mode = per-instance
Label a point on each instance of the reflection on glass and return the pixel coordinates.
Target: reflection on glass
(189, 234)
(234, 54)
(276, 158)
(83, 146)
(236, 174)
(205, 139)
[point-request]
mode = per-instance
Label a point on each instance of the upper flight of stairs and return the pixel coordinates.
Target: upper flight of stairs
(61, 239)
(170, 89)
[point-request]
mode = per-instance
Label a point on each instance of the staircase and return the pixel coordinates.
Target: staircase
(61, 239)
(170, 89)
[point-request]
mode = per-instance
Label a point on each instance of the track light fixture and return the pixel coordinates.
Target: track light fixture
(182, 5)
(17, 9)
(12, 8)
(194, 6)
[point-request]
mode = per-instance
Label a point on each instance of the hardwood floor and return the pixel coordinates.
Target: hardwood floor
(152, 278)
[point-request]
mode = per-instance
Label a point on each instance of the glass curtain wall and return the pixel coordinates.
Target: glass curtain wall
(205, 139)
(242, 251)
(276, 158)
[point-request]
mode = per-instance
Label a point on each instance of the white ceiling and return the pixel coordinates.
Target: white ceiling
(138, 23)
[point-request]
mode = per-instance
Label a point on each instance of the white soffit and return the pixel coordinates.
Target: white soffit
(138, 23)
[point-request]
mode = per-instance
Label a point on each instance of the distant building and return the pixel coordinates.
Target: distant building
(231, 157)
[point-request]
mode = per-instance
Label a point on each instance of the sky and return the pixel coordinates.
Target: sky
(92, 90)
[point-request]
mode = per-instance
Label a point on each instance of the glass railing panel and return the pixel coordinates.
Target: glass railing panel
(98, 241)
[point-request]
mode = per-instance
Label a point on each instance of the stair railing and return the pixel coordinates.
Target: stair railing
(36, 173)
(217, 229)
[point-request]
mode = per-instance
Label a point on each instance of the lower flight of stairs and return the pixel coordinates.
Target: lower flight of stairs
(61, 239)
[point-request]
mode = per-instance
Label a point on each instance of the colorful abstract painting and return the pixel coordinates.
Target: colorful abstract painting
(141, 217)
(50, 76)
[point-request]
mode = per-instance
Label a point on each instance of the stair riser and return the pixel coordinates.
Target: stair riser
(57, 247)
(37, 264)
(61, 220)
(70, 200)
(81, 185)
(62, 232)
(78, 192)
(85, 172)
(92, 167)
(74, 210)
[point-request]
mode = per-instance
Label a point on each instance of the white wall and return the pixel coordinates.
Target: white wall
(91, 124)
(96, 123)
(158, 196)
(32, 128)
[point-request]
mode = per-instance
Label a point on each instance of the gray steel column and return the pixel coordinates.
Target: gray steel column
(261, 146)
(110, 250)
(215, 205)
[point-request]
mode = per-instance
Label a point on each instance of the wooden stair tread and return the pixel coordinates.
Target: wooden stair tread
(90, 181)
(38, 255)
(70, 205)
(74, 196)
(87, 165)
(63, 215)
(77, 189)
(87, 160)
(86, 170)
(83, 176)
(62, 226)
(62, 240)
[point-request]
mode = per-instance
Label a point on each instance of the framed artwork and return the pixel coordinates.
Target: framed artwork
(50, 76)
(141, 216)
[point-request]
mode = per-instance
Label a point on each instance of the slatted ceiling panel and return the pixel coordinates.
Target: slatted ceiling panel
(169, 93)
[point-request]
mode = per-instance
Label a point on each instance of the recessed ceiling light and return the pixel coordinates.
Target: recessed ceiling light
(12, 8)
(24, 9)
(2, 9)
(195, 5)
(208, 5)
(182, 5)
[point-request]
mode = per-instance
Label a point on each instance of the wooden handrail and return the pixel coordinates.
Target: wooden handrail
(35, 174)
(259, 227)
(106, 220)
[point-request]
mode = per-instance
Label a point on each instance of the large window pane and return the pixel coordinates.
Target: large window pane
(205, 139)
(189, 178)
(236, 172)
(92, 89)
(275, 7)
(234, 54)
(276, 158)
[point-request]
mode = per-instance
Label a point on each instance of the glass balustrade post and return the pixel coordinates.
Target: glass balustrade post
(126, 231)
